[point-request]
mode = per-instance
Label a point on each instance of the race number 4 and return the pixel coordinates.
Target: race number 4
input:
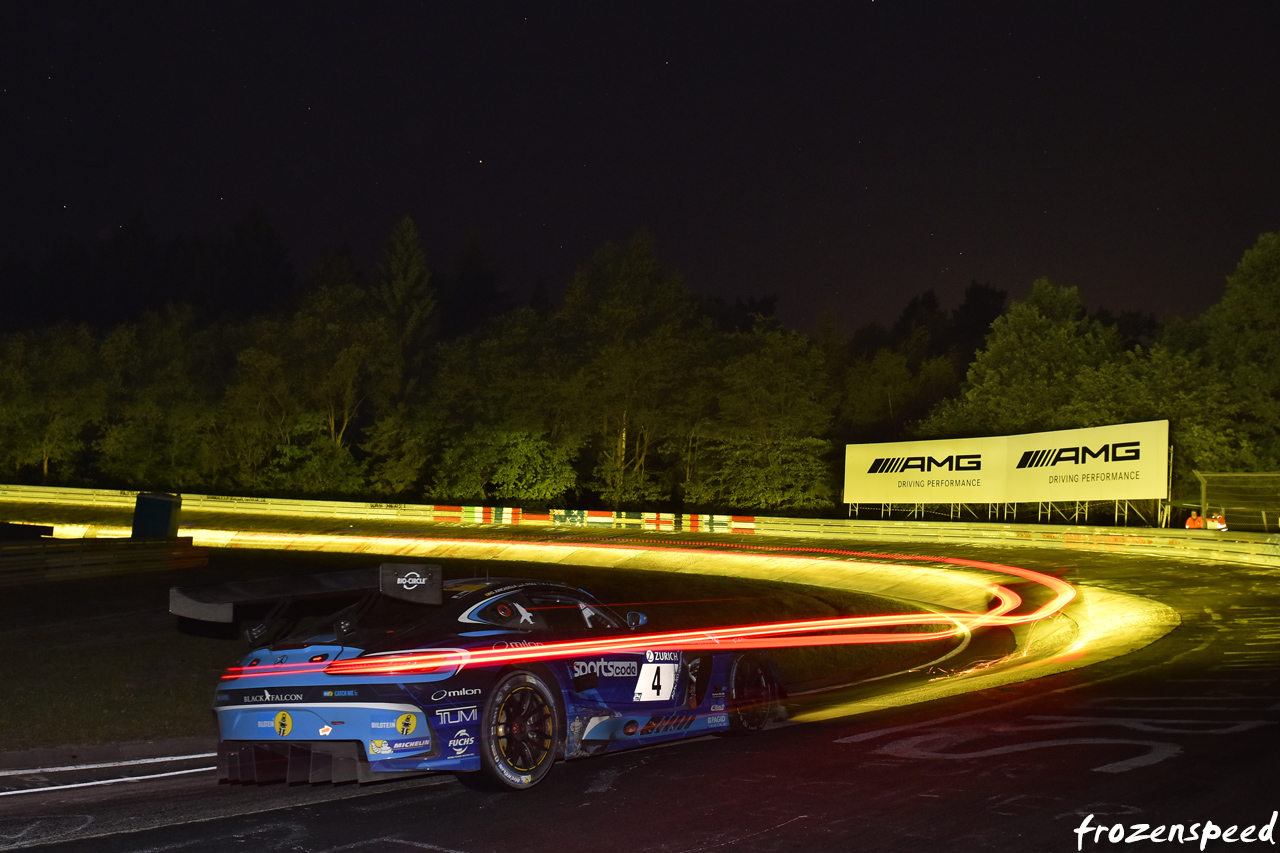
(656, 682)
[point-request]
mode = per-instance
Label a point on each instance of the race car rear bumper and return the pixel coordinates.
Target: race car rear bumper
(295, 762)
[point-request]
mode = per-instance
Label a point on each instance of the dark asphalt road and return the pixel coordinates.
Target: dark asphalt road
(1181, 732)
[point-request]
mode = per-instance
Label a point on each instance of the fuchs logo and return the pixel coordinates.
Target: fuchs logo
(606, 668)
(462, 691)
(412, 580)
(268, 696)
(1121, 451)
(461, 741)
(925, 464)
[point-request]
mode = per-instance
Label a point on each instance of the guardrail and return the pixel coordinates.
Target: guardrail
(1218, 546)
(66, 559)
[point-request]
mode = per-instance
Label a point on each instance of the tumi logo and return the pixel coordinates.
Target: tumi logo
(925, 464)
(1120, 451)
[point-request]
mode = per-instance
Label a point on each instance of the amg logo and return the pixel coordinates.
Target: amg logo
(925, 464)
(1121, 451)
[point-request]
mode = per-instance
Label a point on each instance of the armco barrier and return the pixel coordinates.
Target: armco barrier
(66, 559)
(1216, 546)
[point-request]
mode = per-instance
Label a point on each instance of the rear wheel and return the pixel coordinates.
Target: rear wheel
(520, 734)
(752, 694)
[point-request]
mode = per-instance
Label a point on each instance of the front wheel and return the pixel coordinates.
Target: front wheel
(520, 734)
(752, 694)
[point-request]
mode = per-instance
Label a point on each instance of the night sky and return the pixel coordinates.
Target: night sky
(845, 156)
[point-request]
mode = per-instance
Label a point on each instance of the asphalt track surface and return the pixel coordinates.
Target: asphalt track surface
(1183, 731)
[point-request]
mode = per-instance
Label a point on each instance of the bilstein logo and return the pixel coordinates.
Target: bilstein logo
(1121, 451)
(925, 464)
(411, 580)
(283, 724)
(406, 724)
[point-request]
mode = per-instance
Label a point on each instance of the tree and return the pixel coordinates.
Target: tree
(1244, 343)
(1160, 384)
(497, 414)
(631, 328)
(471, 294)
(1023, 378)
(765, 448)
(337, 354)
(159, 426)
(895, 387)
(54, 390)
(406, 303)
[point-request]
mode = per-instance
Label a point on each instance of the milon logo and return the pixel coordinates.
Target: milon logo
(1122, 451)
(925, 464)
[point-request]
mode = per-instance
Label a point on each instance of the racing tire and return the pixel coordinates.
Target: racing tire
(752, 694)
(520, 732)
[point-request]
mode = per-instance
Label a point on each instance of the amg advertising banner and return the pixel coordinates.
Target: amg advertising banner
(1121, 462)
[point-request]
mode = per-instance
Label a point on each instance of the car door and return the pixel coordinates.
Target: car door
(640, 680)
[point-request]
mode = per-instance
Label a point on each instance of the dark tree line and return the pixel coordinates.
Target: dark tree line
(409, 384)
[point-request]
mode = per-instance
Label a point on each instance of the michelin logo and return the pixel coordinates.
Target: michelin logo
(420, 743)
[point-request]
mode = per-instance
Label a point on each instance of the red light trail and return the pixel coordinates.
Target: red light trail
(809, 632)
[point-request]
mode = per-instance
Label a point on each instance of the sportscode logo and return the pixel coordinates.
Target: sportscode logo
(606, 668)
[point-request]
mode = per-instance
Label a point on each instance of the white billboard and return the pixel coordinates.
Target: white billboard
(1121, 462)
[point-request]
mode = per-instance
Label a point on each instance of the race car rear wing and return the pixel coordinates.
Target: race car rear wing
(416, 582)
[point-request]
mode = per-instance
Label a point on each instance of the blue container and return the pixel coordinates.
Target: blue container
(155, 515)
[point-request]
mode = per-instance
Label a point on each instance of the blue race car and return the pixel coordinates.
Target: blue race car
(335, 689)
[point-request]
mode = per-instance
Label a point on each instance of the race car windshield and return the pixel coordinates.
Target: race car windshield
(374, 618)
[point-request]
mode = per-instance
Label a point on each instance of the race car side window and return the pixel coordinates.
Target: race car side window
(512, 611)
(569, 613)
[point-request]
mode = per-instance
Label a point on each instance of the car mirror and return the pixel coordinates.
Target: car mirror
(635, 619)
